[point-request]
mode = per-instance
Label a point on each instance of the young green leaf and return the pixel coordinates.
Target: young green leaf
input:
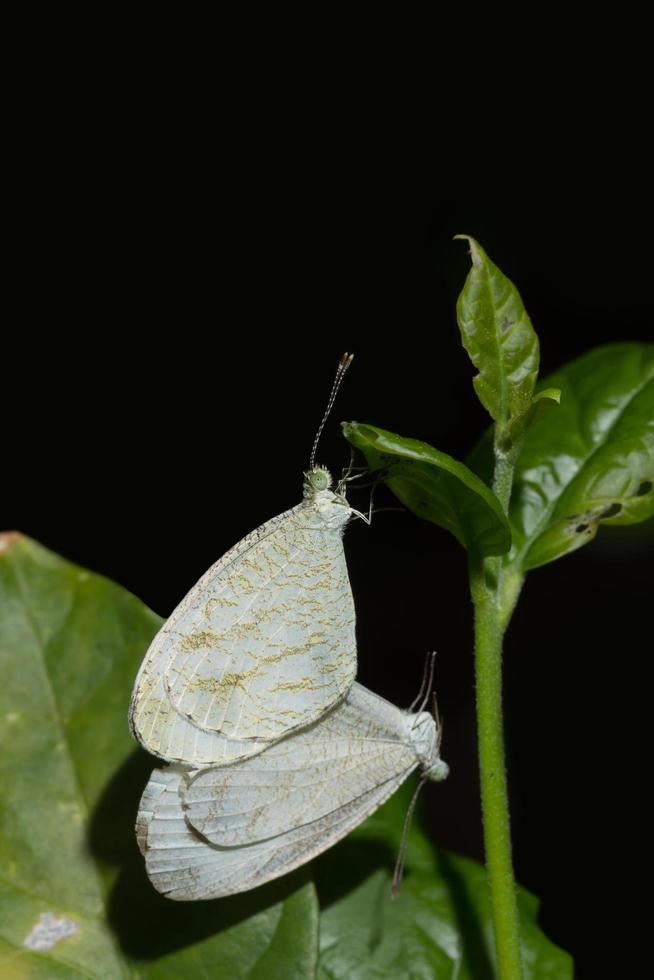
(70, 645)
(500, 340)
(435, 486)
(440, 924)
(542, 402)
(591, 460)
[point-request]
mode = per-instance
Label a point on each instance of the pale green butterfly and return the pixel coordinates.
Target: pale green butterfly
(263, 644)
(214, 832)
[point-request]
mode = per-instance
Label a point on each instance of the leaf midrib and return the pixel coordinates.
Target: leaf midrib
(503, 373)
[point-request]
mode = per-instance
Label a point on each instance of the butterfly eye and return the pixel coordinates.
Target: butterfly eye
(319, 478)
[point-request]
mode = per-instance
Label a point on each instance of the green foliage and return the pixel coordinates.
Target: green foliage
(561, 460)
(436, 487)
(70, 645)
(500, 341)
(588, 462)
(439, 926)
(581, 448)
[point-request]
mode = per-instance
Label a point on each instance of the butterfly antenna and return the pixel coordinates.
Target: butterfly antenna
(343, 365)
(398, 873)
(430, 681)
(429, 678)
(423, 683)
(439, 724)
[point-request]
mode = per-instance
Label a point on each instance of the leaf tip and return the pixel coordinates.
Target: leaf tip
(549, 394)
(476, 253)
(7, 539)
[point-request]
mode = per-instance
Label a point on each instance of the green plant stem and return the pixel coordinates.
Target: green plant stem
(494, 796)
(494, 599)
(503, 476)
(509, 581)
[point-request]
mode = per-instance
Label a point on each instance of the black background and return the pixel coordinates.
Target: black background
(182, 284)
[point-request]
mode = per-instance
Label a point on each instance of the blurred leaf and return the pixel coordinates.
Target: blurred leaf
(436, 487)
(499, 338)
(439, 926)
(70, 646)
(589, 462)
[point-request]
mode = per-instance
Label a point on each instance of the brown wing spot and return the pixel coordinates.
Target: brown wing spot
(220, 686)
(196, 641)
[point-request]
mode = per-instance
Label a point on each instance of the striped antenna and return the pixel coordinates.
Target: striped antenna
(343, 365)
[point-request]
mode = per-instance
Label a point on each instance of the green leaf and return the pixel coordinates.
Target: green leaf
(439, 926)
(70, 646)
(590, 461)
(542, 402)
(499, 338)
(436, 487)
(551, 395)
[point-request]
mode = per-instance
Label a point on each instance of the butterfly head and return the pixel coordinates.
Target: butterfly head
(331, 507)
(316, 479)
(426, 738)
(438, 771)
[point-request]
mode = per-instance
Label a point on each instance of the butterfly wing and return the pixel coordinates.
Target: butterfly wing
(290, 811)
(361, 744)
(263, 644)
(185, 867)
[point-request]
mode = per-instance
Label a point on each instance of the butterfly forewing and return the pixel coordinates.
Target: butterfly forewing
(263, 644)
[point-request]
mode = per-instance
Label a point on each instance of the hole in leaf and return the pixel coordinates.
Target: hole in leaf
(580, 528)
(645, 487)
(611, 511)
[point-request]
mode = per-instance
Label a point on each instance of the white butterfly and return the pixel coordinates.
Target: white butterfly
(263, 644)
(218, 831)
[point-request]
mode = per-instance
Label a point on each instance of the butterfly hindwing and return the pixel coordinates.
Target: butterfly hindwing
(185, 867)
(358, 746)
(226, 830)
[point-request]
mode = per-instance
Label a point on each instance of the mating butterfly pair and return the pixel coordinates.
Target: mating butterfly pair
(248, 692)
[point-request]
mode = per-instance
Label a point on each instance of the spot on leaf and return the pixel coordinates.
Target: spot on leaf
(48, 931)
